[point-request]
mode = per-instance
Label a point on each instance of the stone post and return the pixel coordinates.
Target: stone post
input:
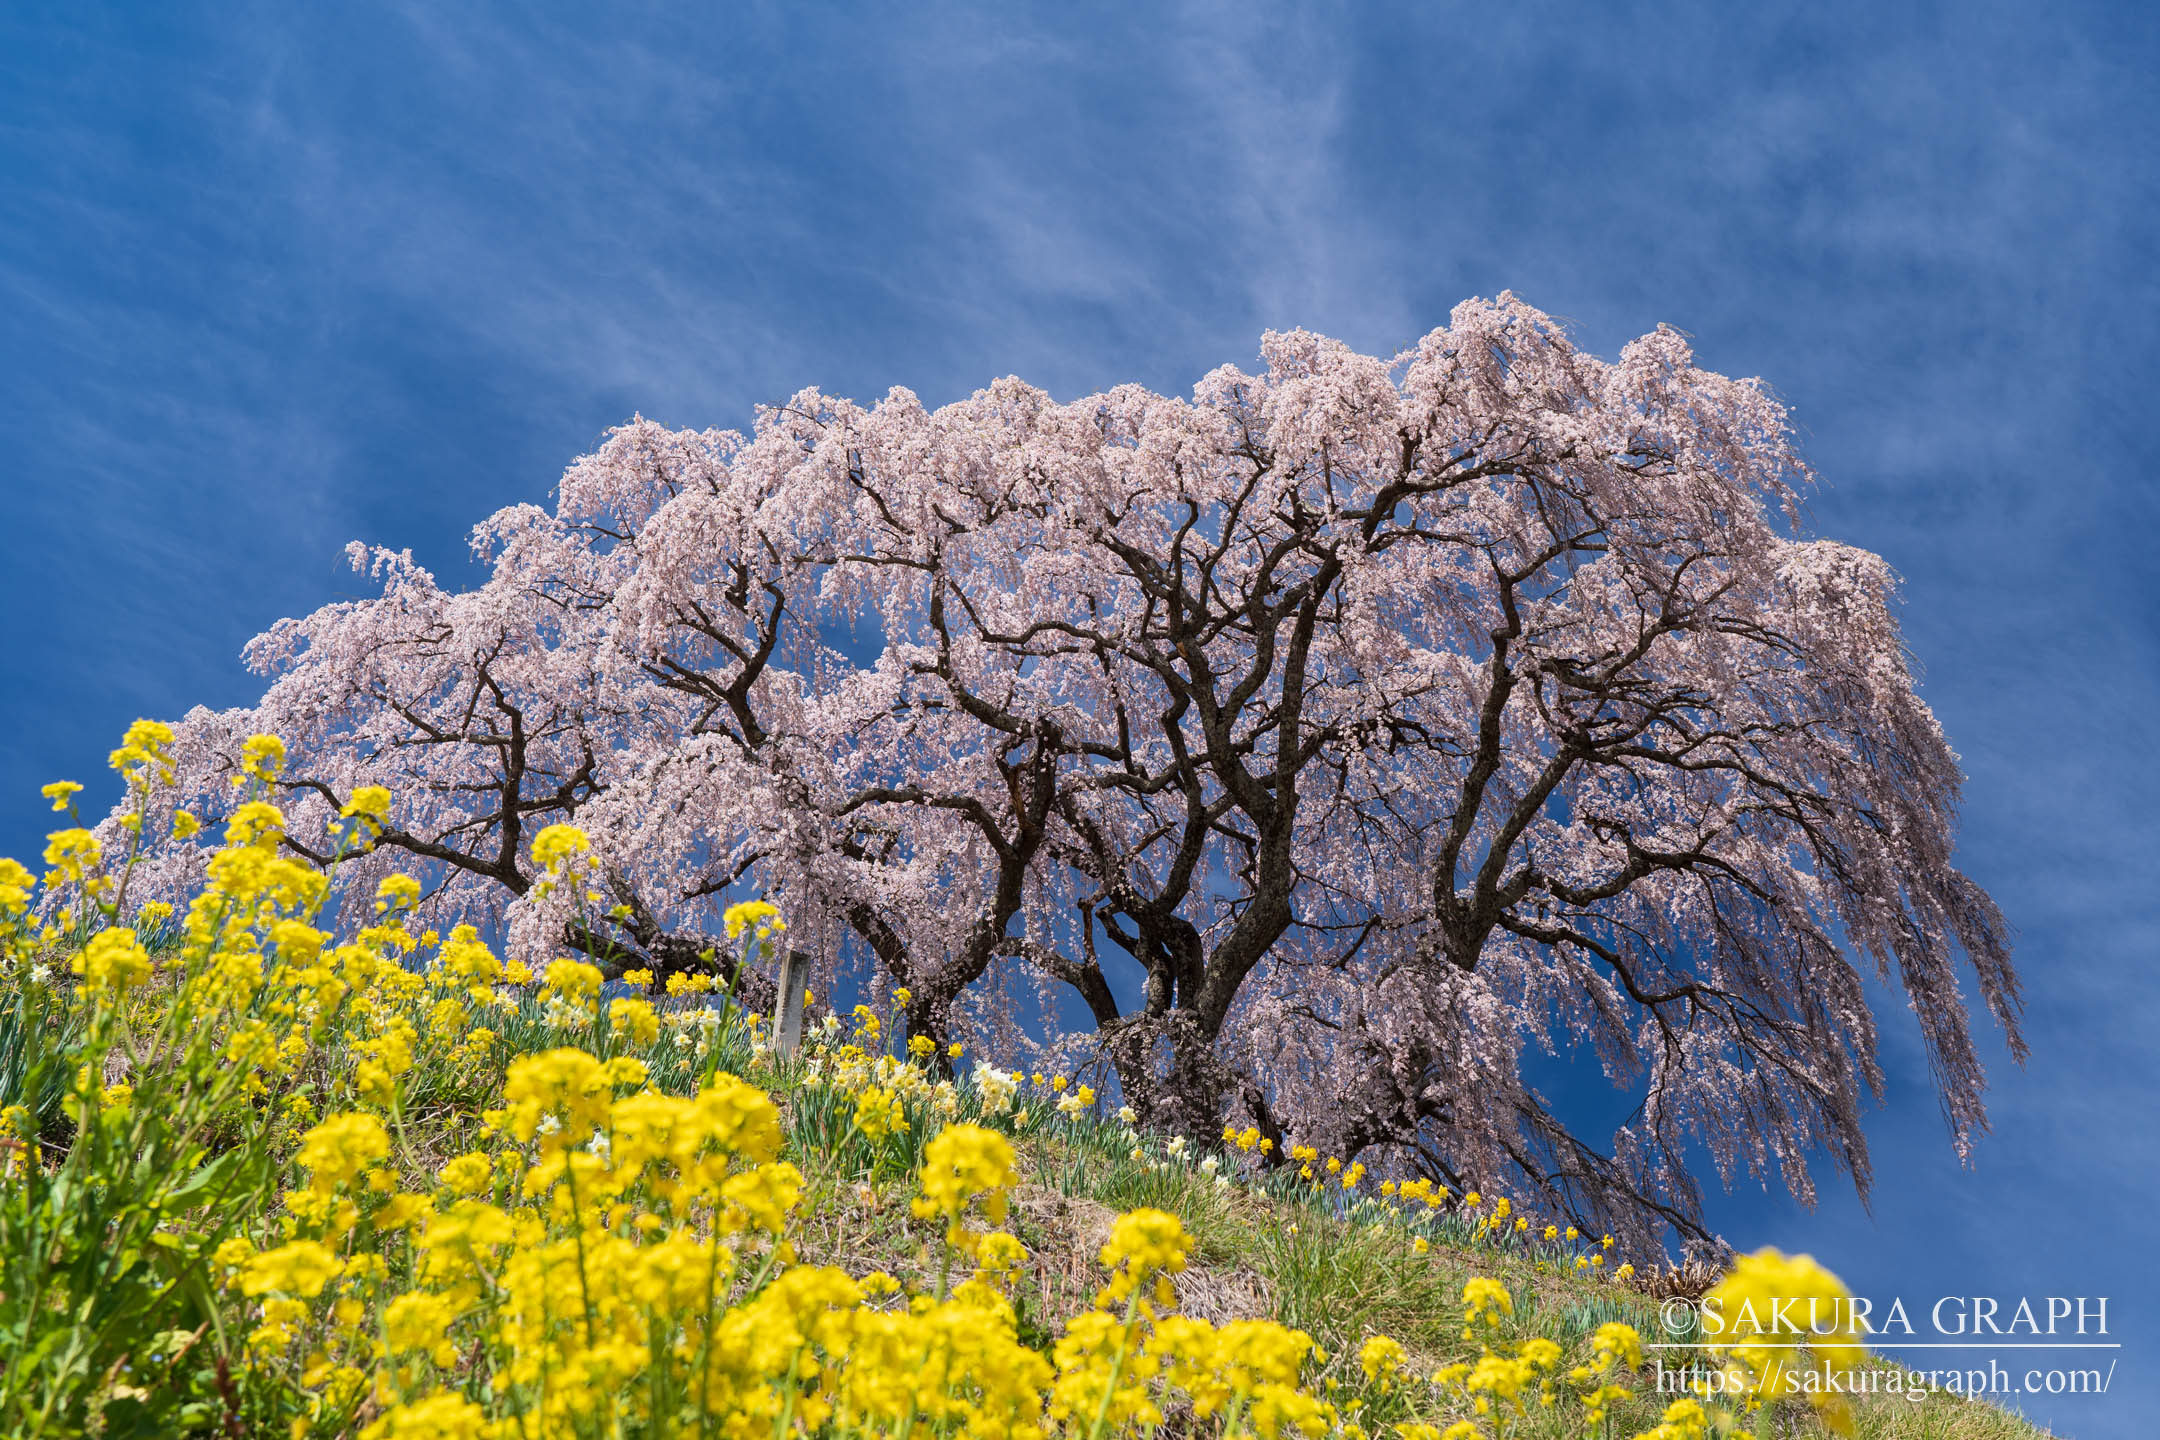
(788, 1019)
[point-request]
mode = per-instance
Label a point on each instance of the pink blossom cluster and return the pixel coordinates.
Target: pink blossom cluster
(1388, 720)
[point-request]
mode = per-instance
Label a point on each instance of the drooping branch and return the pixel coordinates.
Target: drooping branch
(1382, 722)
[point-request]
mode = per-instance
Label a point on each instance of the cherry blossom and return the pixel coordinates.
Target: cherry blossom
(1393, 720)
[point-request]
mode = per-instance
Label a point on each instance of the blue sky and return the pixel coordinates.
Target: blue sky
(270, 281)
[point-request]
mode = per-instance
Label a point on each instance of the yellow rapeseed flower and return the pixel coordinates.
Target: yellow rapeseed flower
(16, 883)
(555, 846)
(299, 1267)
(1770, 1304)
(261, 757)
(634, 1021)
(1683, 1420)
(760, 915)
(1486, 1299)
(370, 803)
(1145, 1245)
(878, 1113)
(441, 1416)
(417, 1322)
(963, 1165)
(72, 855)
(113, 963)
(467, 1174)
(559, 1097)
(1382, 1359)
(338, 1150)
(396, 892)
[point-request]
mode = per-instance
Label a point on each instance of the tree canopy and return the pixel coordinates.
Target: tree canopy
(1392, 720)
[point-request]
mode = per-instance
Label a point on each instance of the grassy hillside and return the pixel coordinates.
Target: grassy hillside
(1291, 1252)
(1342, 1267)
(260, 1178)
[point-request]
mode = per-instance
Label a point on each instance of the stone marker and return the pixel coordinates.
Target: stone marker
(794, 981)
